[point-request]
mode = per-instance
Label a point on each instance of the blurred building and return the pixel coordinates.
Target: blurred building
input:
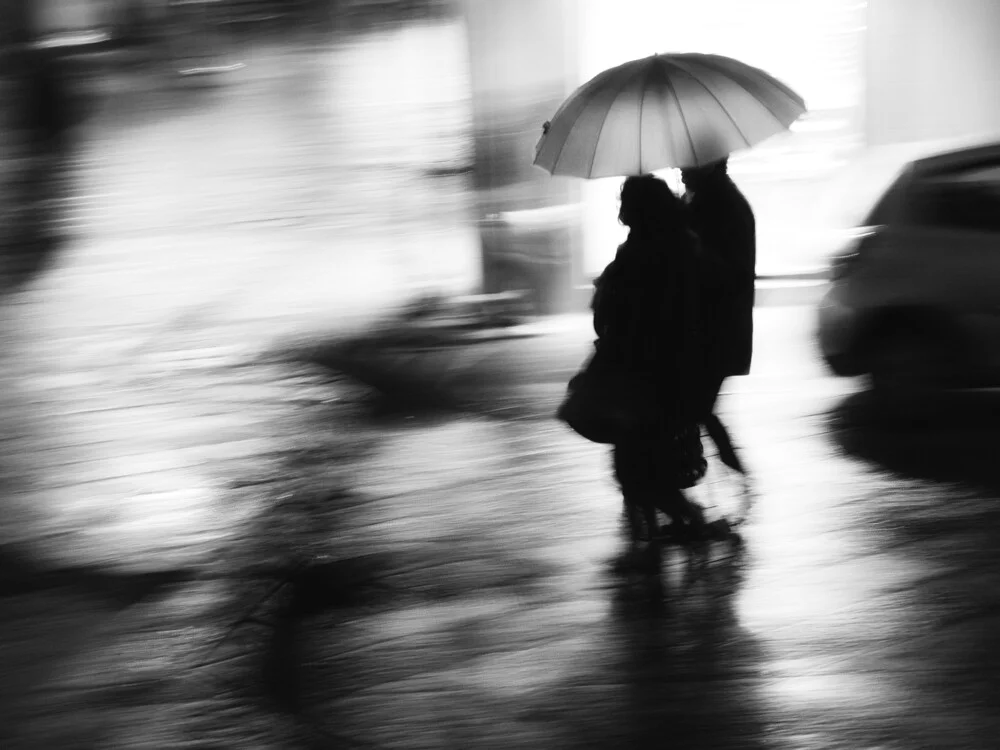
(873, 73)
(932, 70)
(523, 60)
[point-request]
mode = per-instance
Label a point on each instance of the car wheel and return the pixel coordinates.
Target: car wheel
(910, 365)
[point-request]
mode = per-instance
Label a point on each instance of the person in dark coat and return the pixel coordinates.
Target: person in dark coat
(646, 317)
(723, 220)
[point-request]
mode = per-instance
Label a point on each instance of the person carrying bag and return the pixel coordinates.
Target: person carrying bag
(637, 390)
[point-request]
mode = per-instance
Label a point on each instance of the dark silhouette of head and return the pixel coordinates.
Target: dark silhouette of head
(695, 178)
(649, 207)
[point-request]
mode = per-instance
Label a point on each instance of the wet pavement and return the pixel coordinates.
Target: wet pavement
(155, 459)
(208, 544)
(859, 613)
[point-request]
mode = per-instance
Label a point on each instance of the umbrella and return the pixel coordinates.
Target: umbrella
(671, 110)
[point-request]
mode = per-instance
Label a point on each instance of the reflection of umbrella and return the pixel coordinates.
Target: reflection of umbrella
(677, 110)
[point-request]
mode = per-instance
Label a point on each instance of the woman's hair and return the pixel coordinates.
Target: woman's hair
(649, 207)
(653, 274)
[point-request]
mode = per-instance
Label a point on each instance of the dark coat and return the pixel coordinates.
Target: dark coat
(724, 222)
(646, 315)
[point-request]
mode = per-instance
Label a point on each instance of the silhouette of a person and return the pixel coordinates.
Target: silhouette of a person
(645, 315)
(723, 220)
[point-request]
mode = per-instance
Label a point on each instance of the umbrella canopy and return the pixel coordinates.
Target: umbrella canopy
(672, 110)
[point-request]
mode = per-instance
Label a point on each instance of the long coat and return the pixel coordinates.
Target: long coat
(724, 222)
(646, 316)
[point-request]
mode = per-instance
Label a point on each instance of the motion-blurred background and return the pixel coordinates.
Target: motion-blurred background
(356, 116)
(286, 314)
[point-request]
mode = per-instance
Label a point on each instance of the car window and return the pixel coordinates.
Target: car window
(969, 199)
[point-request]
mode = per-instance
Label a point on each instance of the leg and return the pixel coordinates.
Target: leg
(632, 513)
(720, 436)
(687, 517)
(630, 474)
(633, 470)
(727, 452)
(716, 430)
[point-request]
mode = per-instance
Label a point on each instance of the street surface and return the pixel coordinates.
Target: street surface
(861, 612)
(211, 543)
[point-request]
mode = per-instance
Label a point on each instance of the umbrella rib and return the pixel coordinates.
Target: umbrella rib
(585, 92)
(734, 75)
(562, 147)
(762, 105)
(642, 104)
(604, 122)
(719, 102)
(680, 110)
(730, 67)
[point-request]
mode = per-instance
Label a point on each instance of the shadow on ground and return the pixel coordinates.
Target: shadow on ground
(494, 657)
(944, 525)
(32, 240)
(956, 439)
(686, 670)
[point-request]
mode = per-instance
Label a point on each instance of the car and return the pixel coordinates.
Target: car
(914, 298)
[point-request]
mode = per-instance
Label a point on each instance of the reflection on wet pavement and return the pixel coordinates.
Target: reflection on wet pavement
(504, 626)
